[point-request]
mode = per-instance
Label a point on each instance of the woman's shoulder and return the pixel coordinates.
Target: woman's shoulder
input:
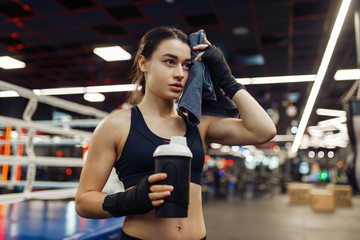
(116, 120)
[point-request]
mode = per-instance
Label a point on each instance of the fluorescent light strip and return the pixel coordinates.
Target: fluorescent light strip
(283, 138)
(9, 94)
(277, 79)
(330, 112)
(94, 97)
(132, 87)
(59, 91)
(75, 90)
(347, 74)
(332, 121)
(320, 75)
(7, 62)
(112, 88)
(113, 53)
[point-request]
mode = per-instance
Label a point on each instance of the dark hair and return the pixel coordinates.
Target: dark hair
(148, 44)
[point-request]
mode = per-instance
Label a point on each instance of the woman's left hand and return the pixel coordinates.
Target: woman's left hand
(201, 47)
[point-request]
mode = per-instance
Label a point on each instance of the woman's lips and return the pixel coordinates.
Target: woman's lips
(176, 87)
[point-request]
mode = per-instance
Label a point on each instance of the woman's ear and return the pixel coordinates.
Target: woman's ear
(142, 63)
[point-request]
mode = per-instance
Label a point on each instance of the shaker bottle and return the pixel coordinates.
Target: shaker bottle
(175, 160)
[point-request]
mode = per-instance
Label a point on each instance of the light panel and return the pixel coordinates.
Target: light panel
(330, 112)
(347, 74)
(113, 53)
(94, 97)
(7, 62)
(320, 75)
(277, 79)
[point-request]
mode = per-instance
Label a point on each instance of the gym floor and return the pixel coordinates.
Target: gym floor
(248, 219)
(275, 219)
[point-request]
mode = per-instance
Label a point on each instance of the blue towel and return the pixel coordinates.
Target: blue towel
(200, 96)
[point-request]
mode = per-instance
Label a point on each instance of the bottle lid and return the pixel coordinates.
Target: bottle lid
(176, 147)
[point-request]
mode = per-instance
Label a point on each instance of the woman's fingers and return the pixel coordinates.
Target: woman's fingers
(157, 177)
(201, 47)
(198, 57)
(159, 195)
(159, 192)
(157, 202)
(161, 188)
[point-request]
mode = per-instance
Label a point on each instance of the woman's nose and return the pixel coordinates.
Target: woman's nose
(179, 71)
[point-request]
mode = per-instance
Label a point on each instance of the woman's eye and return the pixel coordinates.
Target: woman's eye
(170, 61)
(187, 65)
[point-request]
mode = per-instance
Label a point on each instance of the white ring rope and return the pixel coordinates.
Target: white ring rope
(30, 109)
(54, 101)
(44, 128)
(43, 195)
(43, 161)
(31, 171)
(48, 127)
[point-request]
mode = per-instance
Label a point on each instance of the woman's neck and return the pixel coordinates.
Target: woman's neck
(160, 107)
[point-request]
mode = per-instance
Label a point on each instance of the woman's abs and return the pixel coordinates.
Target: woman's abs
(148, 226)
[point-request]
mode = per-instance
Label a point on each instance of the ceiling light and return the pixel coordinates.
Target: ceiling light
(215, 145)
(75, 90)
(114, 53)
(254, 59)
(132, 87)
(330, 112)
(347, 74)
(9, 94)
(330, 154)
(283, 138)
(277, 79)
(321, 74)
(240, 31)
(94, 97)
(7, 62)
(59, 91)
(332, 122)
(112, 88)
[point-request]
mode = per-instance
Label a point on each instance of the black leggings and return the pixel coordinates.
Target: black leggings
(124, 236)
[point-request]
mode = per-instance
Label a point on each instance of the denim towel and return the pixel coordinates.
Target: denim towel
(200, 96)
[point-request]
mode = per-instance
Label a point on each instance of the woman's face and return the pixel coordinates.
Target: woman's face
(167, 71)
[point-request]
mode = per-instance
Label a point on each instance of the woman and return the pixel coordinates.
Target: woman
(127, 138)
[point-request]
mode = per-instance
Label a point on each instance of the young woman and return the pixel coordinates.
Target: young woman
(127, 139)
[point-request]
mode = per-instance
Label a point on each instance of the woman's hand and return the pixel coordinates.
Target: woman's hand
(201, 47)
(219, 69)
(158, 192)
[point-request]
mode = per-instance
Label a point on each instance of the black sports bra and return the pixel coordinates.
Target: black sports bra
(137, 161)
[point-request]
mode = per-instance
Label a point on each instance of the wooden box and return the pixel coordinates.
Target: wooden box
(299, 193)
(322, 200)
(342, 194)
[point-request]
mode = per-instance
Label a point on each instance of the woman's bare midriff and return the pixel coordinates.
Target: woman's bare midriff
(149, 227)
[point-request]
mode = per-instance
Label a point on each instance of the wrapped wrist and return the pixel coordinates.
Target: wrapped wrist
(231, 89)
(132, 202)
(220, 72)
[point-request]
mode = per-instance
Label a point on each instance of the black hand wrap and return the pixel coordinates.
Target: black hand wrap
(132, 202)
(220, 72)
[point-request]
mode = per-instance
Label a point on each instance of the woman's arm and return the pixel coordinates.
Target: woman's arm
(254, 127)
(106, 143)
(98, 165)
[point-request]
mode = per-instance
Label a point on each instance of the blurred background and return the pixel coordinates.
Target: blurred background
(300, 59)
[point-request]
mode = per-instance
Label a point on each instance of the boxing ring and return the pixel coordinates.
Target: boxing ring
(46, 209)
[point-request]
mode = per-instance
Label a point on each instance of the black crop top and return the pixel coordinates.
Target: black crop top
(137, 160)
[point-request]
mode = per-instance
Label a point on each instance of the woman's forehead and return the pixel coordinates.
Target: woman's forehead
(174, 47)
